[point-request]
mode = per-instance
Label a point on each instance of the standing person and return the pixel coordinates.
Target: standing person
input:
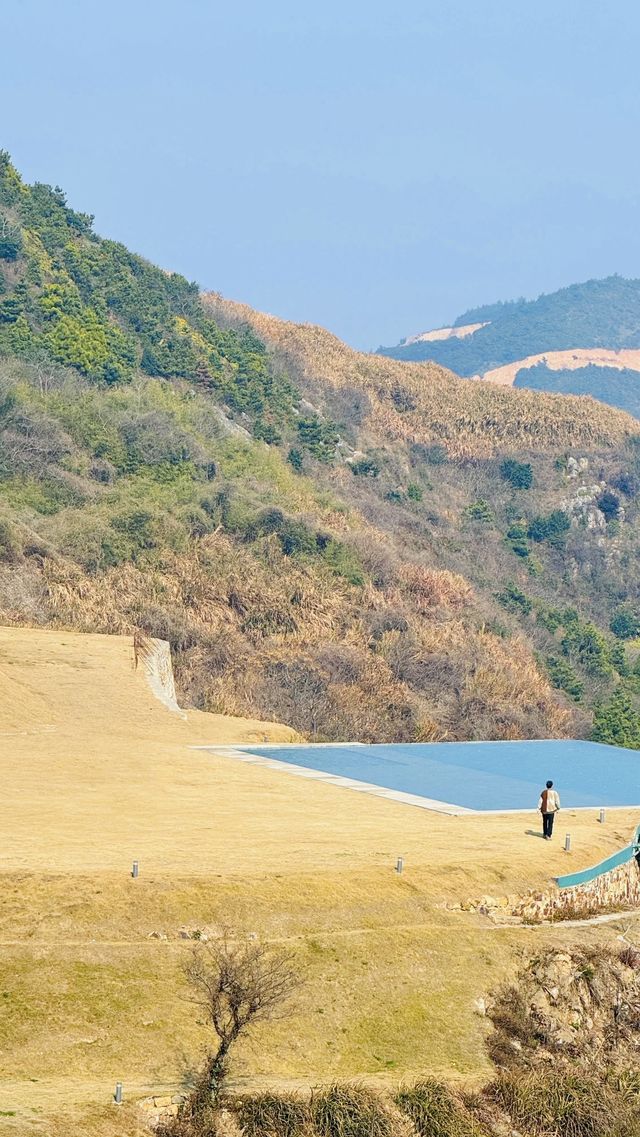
(548, 805)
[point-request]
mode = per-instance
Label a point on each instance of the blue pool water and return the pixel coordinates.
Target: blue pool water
(482, 775)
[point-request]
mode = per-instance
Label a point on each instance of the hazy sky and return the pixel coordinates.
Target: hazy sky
(372, 167)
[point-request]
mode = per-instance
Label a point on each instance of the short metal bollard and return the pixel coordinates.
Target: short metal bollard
(399, 865)
(117, 1097)
(567, 843)
(601, 819)
(135, 870)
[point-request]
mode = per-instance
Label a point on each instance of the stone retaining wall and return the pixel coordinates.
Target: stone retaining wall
(162, 1107)
(614, 890)
(618, 889)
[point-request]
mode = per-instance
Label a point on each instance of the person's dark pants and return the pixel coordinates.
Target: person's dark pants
(547, 824)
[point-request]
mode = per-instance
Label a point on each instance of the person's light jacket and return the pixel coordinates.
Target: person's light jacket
(549, 801)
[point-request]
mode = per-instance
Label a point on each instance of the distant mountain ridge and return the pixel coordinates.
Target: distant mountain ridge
(584, 339)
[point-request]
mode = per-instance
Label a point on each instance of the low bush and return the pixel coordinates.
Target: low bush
(514, 600)
(609, 504)
(563, 676)
(563, 1104)
(273, 1115)
(517, 538)
(625, 623)
(365, 466)
(519, 474)
(551, 527)
(350, 1111)
(319, 437)
(480, 511)
(435, 1112)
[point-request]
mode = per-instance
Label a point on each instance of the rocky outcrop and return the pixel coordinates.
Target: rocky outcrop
(584, 1002)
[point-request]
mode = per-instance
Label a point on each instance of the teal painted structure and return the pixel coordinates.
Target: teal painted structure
(622, 857)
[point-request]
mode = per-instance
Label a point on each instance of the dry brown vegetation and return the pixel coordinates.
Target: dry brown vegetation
(423, 402)
(265, 636)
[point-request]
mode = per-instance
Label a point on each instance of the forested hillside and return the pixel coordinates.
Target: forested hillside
(358, 547)
(596, 314)
(620, 385)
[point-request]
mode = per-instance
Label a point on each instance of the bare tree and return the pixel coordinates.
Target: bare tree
(238, 984)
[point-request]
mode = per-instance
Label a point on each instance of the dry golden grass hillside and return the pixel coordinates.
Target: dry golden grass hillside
(423, 402)
(96, 772)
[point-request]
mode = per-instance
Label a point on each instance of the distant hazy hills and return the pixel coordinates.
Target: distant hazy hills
(582, 340)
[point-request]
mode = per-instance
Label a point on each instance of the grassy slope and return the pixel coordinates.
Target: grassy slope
(106, 776)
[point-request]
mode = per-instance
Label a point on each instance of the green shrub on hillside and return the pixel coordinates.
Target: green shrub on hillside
(617, 721)
(10, 248)
(320, 438)
(551, 527)
(609, 504)
(625, 623)
(619, 661)
(514, 600)
(553, 618)
(563, 676)
(295, 460)
(517, 538)
(519, 474)
(585, 644)
(365, 466)
(481, 511)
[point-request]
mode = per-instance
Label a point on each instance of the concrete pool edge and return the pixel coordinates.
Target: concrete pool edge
(245, 752)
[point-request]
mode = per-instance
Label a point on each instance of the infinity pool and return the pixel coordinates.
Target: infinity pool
(480, 775)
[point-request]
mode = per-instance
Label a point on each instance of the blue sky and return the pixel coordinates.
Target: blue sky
(372, 170)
